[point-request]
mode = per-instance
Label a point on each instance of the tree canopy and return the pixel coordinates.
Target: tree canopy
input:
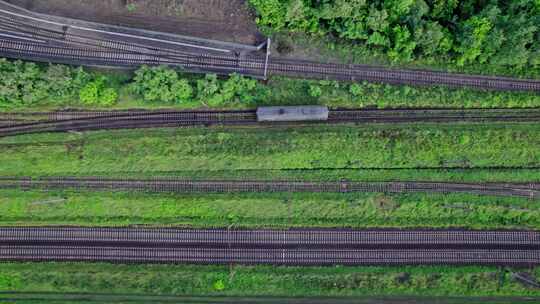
(467, 31)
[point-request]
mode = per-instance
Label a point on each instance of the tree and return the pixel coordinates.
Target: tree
(182, 90)
(96, 93)
(474, 33)
(403, 45)
(432, 39)
(161, 84)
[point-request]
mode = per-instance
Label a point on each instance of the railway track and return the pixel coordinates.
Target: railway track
(32, 38)
(28, 123)
(171, 185)
(279, 247)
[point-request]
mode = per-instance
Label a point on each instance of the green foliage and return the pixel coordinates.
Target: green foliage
(28, 84)
(183, 90)
(96, 93)
(474, 34)
(314, 90)
(9, 281)
(268, 281)
(89, 94)
(163, 84)
(213, 92)
(219, 285)
(131, 7)
(208, 90)
(356, 89)
(487, 32)
(264, 210)
(286, 91)
(238, 89)
(319, 147)
(403, 45)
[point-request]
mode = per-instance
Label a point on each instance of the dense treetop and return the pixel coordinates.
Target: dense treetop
(495, 32)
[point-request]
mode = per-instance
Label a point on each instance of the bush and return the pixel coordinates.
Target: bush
(182, 90)
(154, 84)
(27, 83)
(96, 93)
(239, 89)
(163, 84)
(314, 91)
(90, 93)
(208, 90)
(356, 89)
(108, 97)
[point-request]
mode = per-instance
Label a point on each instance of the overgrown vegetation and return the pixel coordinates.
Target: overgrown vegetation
(28, 86)
(500, 33)
(264, 210)
(162, 84)
(383, 146)
(264, 280)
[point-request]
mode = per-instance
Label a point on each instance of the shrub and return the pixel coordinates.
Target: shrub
(239, 88)
(89, 94)
(27, 83)
(108, 97)
(208, 90)
(161, 84)
(96, 93)
(356, 89)
(314, 91)
(182, 90)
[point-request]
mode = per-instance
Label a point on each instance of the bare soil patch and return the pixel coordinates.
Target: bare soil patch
(226, 20)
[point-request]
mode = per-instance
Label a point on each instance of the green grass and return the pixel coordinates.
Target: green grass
(248, 148)
(285, 91)
(358, 210)
(332, 175)
(261, 280)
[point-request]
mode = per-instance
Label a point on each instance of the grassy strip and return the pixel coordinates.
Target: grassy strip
(359, 210)
(261, 280)
(285, 91)
(332, 175)
(248, 148)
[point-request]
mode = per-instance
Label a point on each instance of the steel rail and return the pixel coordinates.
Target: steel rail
(291, 257)
(296, 238)
(256, 66)
(132, 120)
(280, 247)
(24, 123)
(96, 42)
(118, 34)
(172, 185)
(99, 57)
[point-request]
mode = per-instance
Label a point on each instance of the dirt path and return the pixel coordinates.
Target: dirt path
(226, 20)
